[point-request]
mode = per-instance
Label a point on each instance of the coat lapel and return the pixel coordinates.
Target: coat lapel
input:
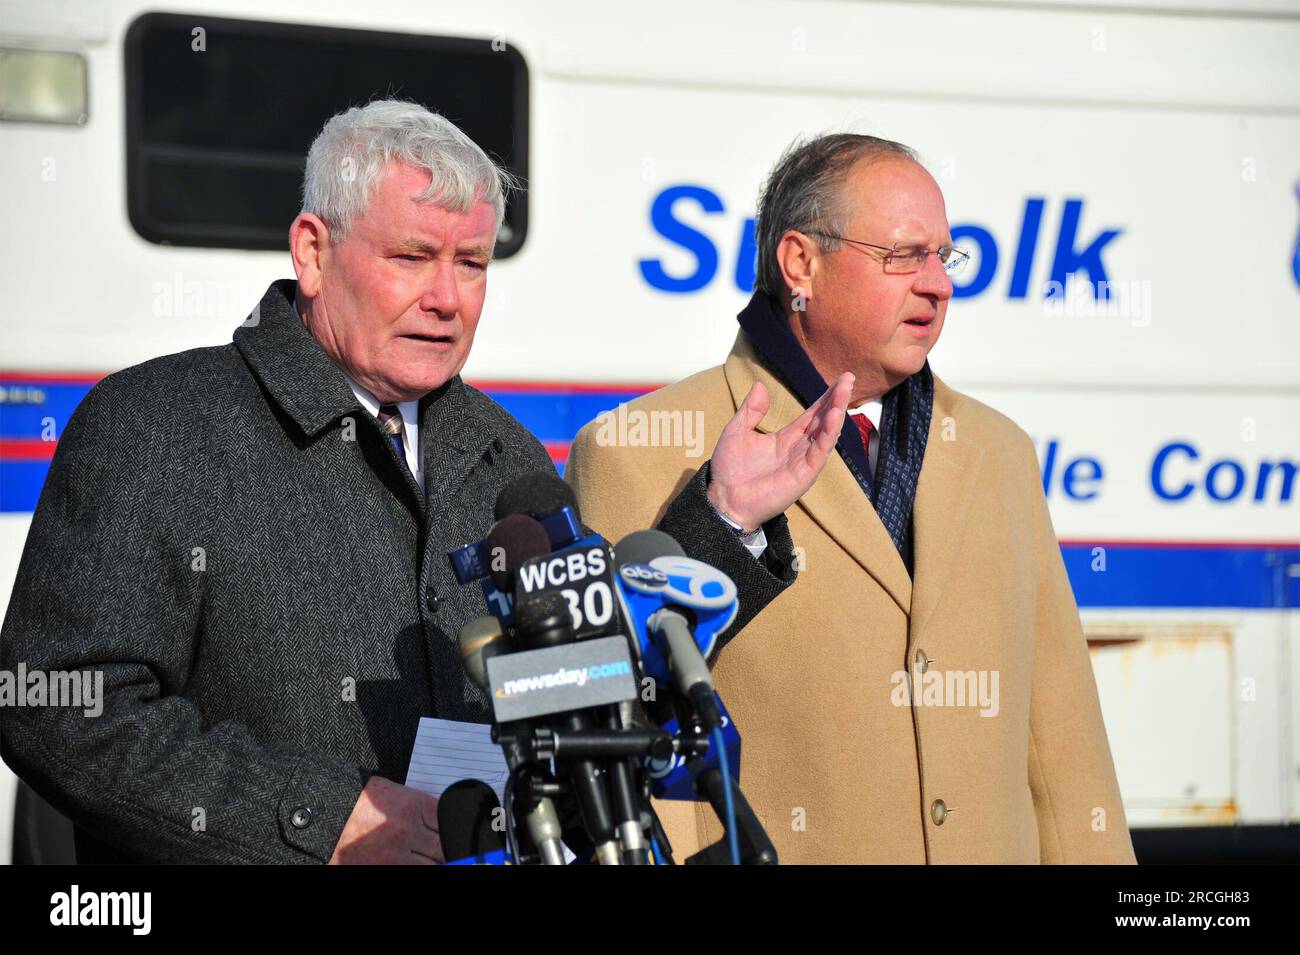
(943, 502)
(835, 501)
(452, 443)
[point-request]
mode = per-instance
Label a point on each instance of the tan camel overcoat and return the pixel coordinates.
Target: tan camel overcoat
(1003, 757)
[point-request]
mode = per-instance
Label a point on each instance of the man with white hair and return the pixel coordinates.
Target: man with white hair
(249, 541)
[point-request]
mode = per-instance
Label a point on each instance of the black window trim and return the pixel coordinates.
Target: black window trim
(206, 236)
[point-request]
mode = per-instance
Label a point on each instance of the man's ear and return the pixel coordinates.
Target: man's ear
(309, 240)
(797, 257)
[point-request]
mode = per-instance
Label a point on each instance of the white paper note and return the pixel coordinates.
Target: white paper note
(446, 752)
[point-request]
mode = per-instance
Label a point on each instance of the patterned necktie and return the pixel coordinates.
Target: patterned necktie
(390, 422)
(865, 428)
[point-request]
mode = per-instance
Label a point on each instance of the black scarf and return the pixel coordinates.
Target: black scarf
(904, 421)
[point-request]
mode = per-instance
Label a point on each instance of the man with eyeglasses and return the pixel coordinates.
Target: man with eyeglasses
(923, 692)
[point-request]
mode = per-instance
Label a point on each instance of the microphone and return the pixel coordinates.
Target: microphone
(583, 574)
(677, 607)
(512, 540)
(541, 496)
(544, 829)
(536, 494)
(480, 640)
(543, 621)
(466, 812)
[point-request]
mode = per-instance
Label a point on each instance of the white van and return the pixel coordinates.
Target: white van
(1126, 175)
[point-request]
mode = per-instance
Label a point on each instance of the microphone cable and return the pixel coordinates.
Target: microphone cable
(512, 844)
(733, 843)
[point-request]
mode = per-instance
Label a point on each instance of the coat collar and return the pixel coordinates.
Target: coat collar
(290, 363)
(836, 503)
(304, 381)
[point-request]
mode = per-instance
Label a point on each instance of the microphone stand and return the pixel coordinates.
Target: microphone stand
(755, 846)
(541, 744)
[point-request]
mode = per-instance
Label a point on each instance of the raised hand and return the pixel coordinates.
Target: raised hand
(755, 476)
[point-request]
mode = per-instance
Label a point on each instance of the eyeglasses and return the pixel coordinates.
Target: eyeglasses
(904, 260)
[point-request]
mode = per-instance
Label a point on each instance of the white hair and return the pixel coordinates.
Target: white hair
(350, 154)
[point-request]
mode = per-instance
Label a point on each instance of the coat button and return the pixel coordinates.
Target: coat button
(938, 811)
(432, 600)
(301, 817)
(922, 661)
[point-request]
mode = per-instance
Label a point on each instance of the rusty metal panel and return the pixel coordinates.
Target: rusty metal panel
(1167, 696)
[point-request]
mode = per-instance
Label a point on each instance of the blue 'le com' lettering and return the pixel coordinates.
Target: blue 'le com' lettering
(1067, 259)
(1080, 476)
(1222, 481)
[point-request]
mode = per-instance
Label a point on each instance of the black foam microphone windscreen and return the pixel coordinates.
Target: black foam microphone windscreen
(544, 619)
(466, 813)
(641, 547)
(537, 495)
(512, 540)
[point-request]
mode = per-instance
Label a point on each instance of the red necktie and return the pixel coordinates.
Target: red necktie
(865, 428)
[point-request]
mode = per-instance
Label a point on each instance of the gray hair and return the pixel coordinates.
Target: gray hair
(349, 155)
(804, 192)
